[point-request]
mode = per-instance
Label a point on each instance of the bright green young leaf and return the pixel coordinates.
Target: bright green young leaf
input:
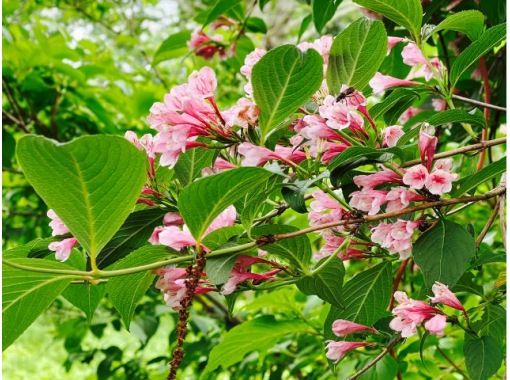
(326, 283)
(283, 80)
(304, 26)
(365, 298)
(190, 164)
(37, 248)
(126, 291)
(85, 297)
(221, 236)
(92, 183)
(174, 46)
(201, 201)
(407, 13)
(219, 8)
(467, 184)
(25, 295)
(356, 54)
(297, 249)
(483, 356)
(443, 253)
(133, 234)
(259, 334)
(491, 38)
(323, 11)
(469, 22)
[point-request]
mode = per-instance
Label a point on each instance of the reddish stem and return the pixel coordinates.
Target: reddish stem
(396, 281)
(486, 111)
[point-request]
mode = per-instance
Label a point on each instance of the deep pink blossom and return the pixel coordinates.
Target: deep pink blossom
(172, 219)
(241, 272)
(391, 135)
(416, 176)
(445, 296)
(368, 200)
(382, 177)
(427, 143)
(63, 248)
(381, 82)
(331, 150)
(174, 237)
(337, 114)
(337, 350)
(342, 327)
(57, 225)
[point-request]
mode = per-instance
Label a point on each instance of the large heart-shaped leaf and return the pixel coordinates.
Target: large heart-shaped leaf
(483, 356)
(468, 22)
(356, 54)
(283, 80)
(92, 183)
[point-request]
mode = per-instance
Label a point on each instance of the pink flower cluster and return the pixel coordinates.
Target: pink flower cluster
(241, 273)
(63, 247)
(409, 313)
(341, 327)
(206, 46)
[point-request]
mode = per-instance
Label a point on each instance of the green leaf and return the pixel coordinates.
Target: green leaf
(386, 368)
(259, 334)
(469, 22)
(471, 182)
(297, 250)
(126, 291)
(174, 46)
(218, 269)
(221, 236)
(443, 253)
(201, 201)
(85, 297)
(326, 283)
(407, 13)
(323, 11)
(467, 283)
(283, 80)
(221, 7)
(483, 357)
(457, 116)
(8, 148)
(256, 25)
(26, 295)
(491, 38)
(304, 26)
(190, 164)
(493, 323)
(133, 234)
(391, 101)
(365, 298)
(356, 54)
(37, 248)
(92, 183)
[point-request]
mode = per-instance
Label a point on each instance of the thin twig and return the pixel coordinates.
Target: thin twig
(489, 223)
(486, 111)
(478, 103)
(396, 281)
(392, 344)
(459, 370)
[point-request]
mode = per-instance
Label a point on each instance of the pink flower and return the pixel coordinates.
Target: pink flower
(440, 181)
(392, 134)
(439, 104)
(63, 248)
(145, 143)
(333, 241)
(254, 155)
(342, 327)
(314, 127)
(436, 325)
(368, 200)
(443, 164)
(337, 114)
(172, 219)
(416, 176)
(226, 218)
(399, 198)
(289, 154)
(396, 237)
(337, 350)
(174, 237)
(382, 177)
(204, 46)
(332, 150)
(241, 273)
(392, 41)
(408, 114)
(56, 224)
(381, 82)
(409, 314)
(244, 113)
(427, 143)
(412, 55)
(203, 82)
(250, 61)
(445, 296)
(324, 208)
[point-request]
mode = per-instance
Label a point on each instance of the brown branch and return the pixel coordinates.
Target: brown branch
(465, 149)
(15, 106)
(392, 344)
(373, 218)
(486, 111)
(478, 103)
(396, 281)
(489, 223)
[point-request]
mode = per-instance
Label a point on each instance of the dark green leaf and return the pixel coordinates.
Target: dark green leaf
(470, 183)
(219, 237)
(190, 164)
(221, 7)
(386, 368)
(391, 100)
(493, 323)
(483, 356)
(256, 25)
(323, 11)
(304, 26)
(218, 269)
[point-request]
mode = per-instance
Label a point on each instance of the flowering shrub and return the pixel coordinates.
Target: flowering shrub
(323, 129)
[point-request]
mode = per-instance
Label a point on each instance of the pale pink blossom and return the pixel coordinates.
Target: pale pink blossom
(244, 113)
(146, 142)
(342, 327)
(289, 154)
(324, 208)
(355, 99)
(380, 82)
(255, 155)
(443, 164)
(337, 350)
(391, 135)
(395, 237)
(172, 219)
(427, 143)
(332, 242)
(400, 197)
(332, 150)
(409, 313)
(408, 114)
(250, 61)
(439, 104)
(226, 218)
(368, 200)
(436, 325)
(203, 82)
(392, 41)
(382, 177)
(337, 114)
(412, 55)
(57, 225)
(445, 296)
(427, 71)
(440, 181)
(63, 248)
(174, 237)
(154, 238)
(241, 272)
(314, 127)
(416, 176)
